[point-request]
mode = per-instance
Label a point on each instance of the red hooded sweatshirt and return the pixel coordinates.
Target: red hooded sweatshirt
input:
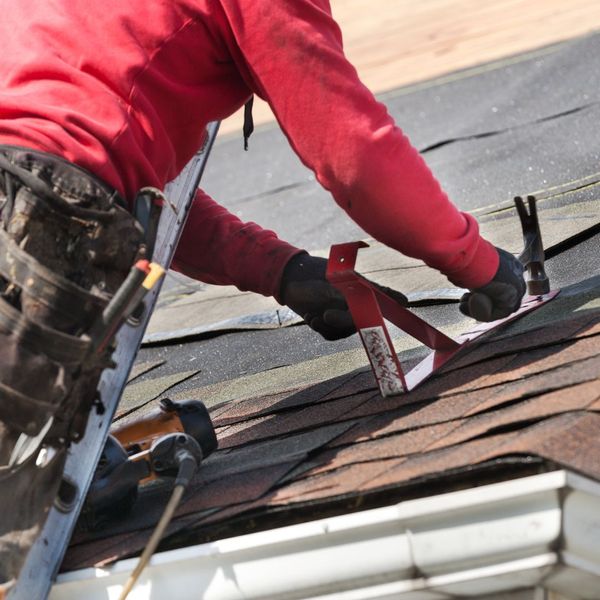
(125, 88)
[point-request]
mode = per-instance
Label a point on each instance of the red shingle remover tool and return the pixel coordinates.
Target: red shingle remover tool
(369, 307)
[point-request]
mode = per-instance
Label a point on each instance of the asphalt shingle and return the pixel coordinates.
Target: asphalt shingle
(315, 434)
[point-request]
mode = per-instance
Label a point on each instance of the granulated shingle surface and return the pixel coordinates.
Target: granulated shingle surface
(315, 437)
(349, 442)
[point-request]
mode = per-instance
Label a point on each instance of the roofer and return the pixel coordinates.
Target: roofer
(100, 99)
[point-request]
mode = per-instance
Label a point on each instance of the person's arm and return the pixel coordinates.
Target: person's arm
(217, 247)
(290, 53)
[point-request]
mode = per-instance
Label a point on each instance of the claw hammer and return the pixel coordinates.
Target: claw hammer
(532, 256)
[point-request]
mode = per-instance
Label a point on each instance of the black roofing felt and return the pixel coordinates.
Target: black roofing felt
(297, 443)
(503, 95)
(508, 100)
(555, 79)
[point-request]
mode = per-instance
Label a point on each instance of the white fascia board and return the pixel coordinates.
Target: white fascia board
(495, 537)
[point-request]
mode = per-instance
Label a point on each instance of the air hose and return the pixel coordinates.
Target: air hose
(186, 455)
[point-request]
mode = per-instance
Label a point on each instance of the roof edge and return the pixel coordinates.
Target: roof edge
(536, 530)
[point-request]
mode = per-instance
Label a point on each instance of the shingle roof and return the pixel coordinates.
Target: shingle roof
(304, 432)
(529, 394)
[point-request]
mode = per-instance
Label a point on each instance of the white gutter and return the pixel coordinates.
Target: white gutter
(542, 530)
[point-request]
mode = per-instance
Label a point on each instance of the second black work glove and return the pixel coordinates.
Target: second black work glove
(499, 298)
(305, 289)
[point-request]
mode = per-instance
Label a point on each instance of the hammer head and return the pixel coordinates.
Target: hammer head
(532, 256)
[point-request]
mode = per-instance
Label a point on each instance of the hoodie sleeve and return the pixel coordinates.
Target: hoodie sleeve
(290, 54)
(217, 247)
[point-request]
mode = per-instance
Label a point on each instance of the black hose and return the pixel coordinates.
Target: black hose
(187, 467)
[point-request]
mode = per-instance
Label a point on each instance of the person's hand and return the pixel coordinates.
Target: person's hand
(499, 298)
(305, 289)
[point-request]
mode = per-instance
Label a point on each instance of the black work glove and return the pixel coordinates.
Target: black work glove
(499, 298)
(305, 289)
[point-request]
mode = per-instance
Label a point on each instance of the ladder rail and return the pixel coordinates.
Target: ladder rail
(46, 555)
